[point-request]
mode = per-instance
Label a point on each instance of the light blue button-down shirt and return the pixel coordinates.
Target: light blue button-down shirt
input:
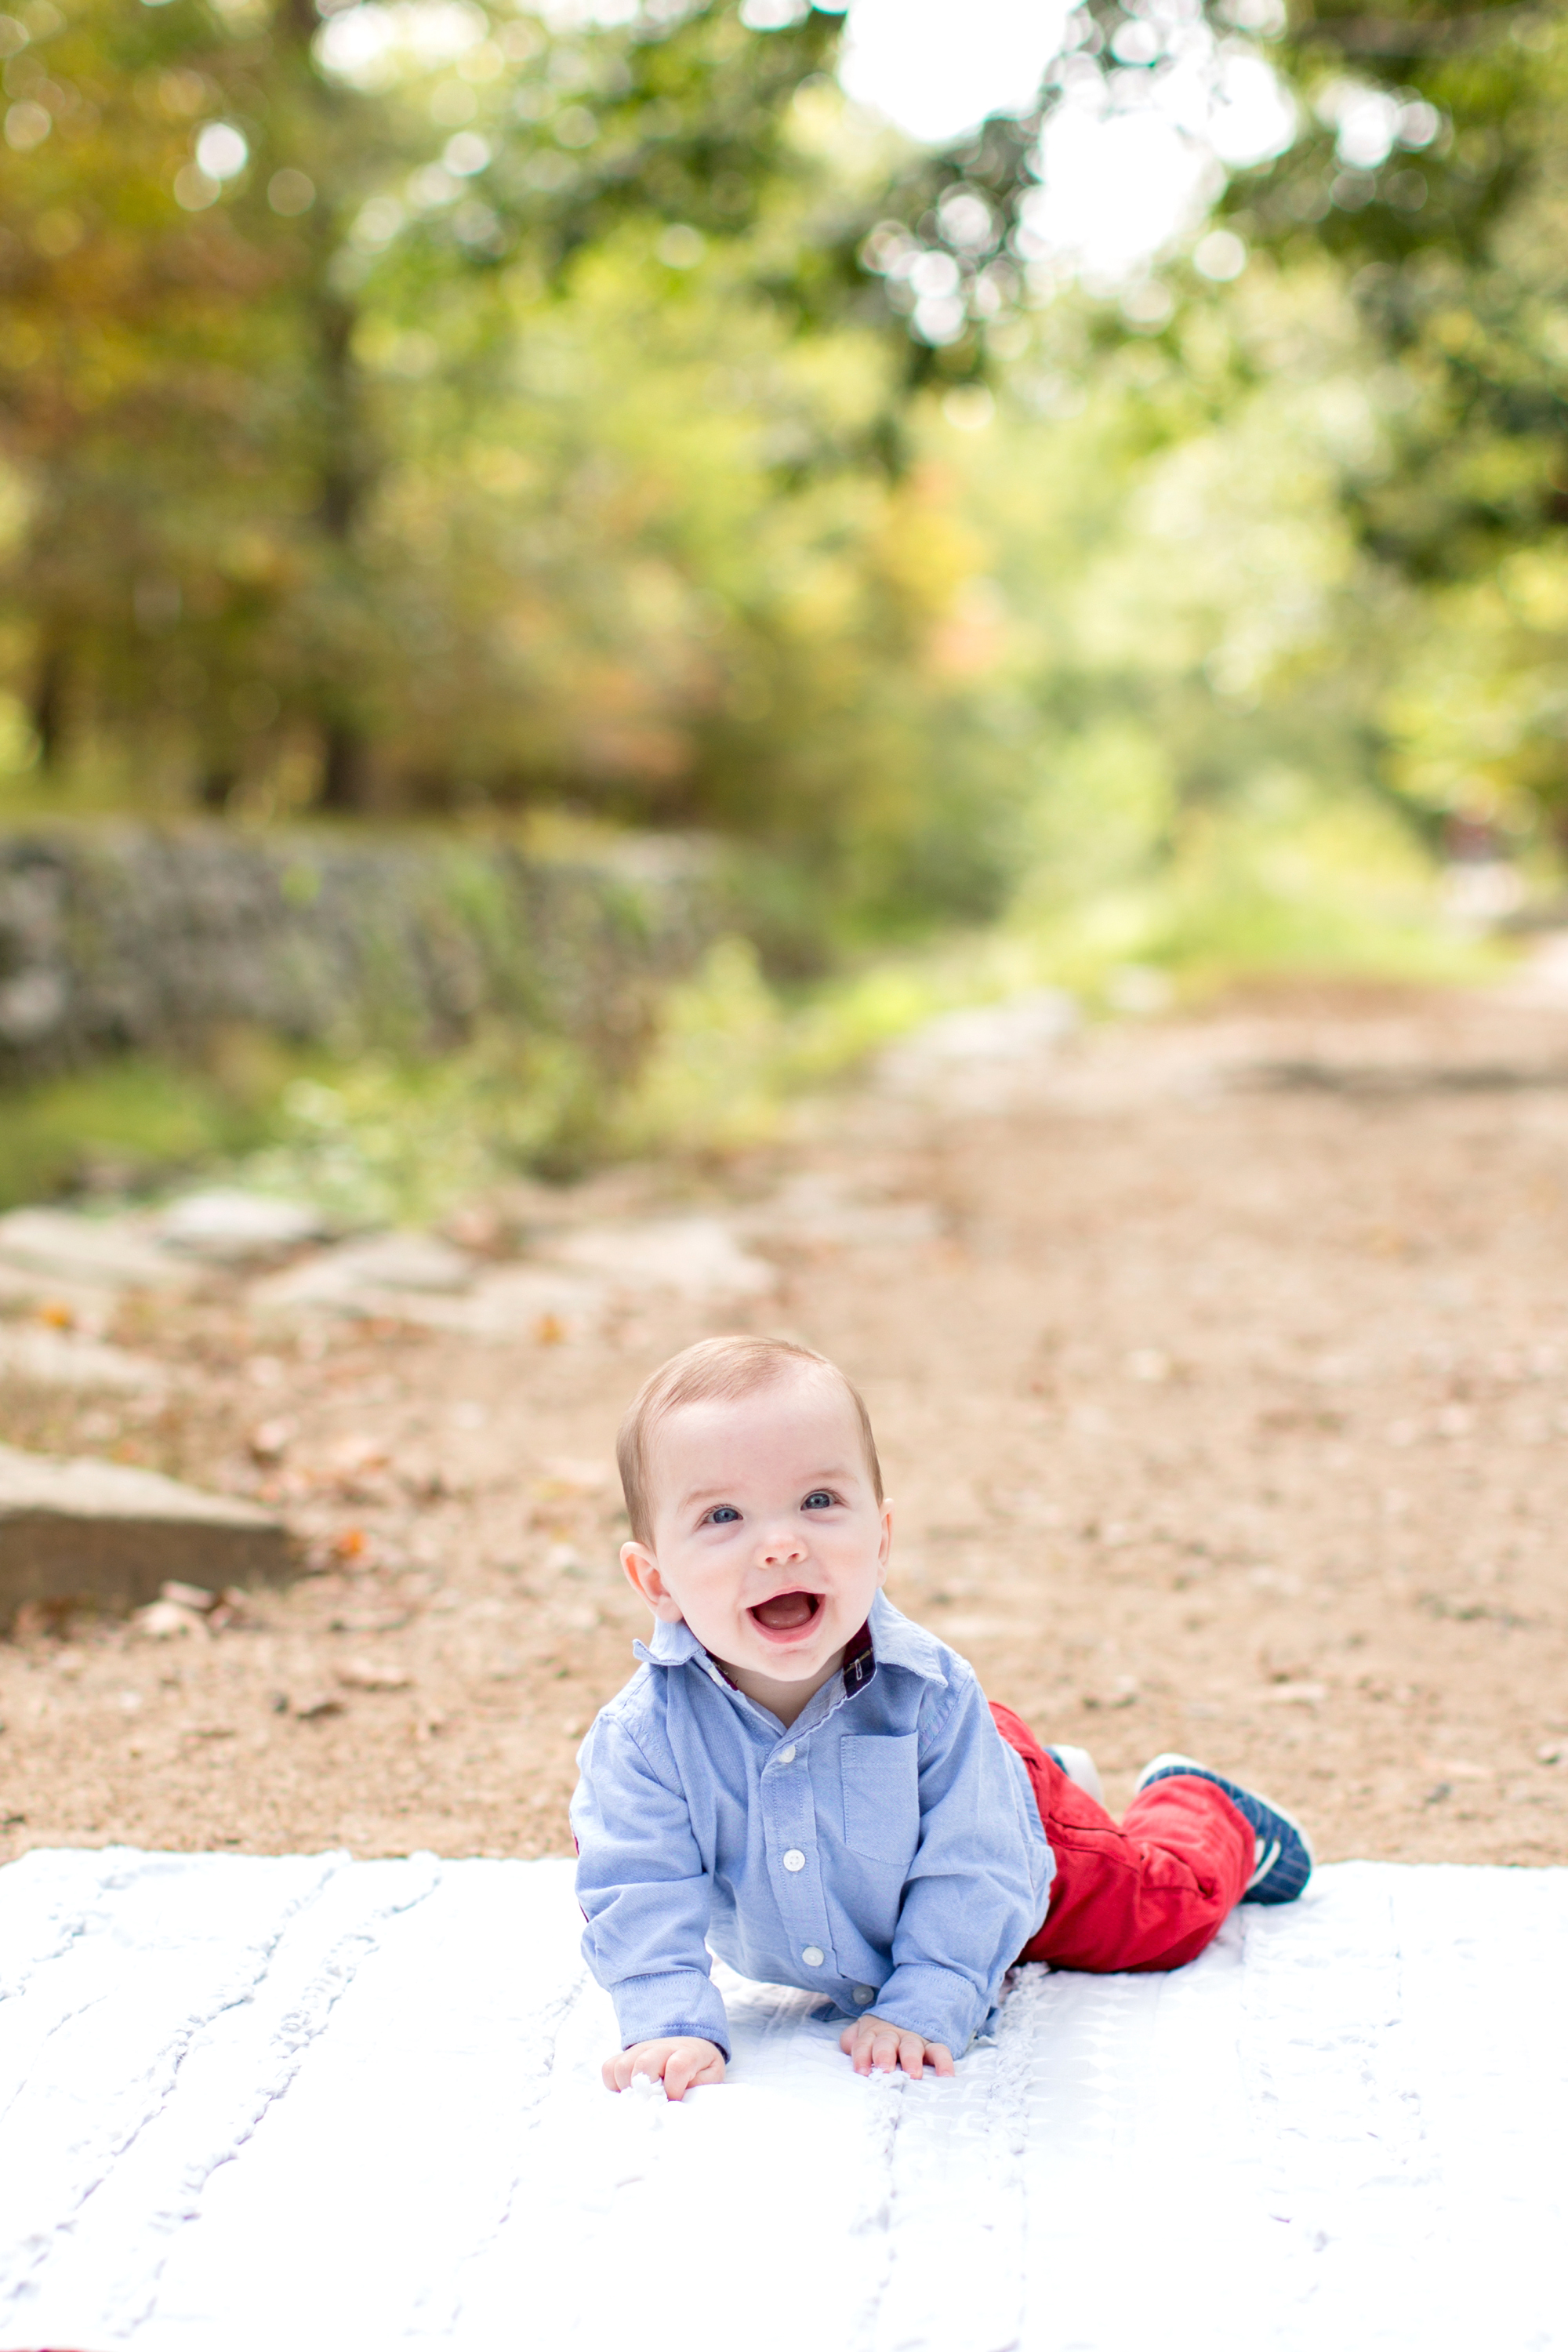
(885, 1851)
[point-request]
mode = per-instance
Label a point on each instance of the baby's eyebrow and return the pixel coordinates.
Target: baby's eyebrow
(704, 1495)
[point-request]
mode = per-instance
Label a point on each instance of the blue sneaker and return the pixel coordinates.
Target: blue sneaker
(1282, 1856)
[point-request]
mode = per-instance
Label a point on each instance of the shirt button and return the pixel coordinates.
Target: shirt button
(863, 1994)
(812, 1956)
(795, 1859)
(786, 1755)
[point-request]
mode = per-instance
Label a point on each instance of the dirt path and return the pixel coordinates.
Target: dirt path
(1220, 1369)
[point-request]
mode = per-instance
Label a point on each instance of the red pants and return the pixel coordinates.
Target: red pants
(1148, 1893)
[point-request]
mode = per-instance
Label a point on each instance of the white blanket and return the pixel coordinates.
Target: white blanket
(310, 2103)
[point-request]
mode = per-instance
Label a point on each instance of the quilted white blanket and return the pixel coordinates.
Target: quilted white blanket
(309, 2102)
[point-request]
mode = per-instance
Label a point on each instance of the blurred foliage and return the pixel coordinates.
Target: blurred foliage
(376, 437)
(418, 408)
(126, 1124)
(1426, 181)
(1432, 170)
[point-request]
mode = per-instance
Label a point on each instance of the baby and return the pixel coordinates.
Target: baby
(802, 1780)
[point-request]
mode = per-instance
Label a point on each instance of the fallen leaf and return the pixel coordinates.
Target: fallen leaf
(35, 1617)
(270, 1440)
(310, 1710)
(550, 1331)
(231, 1608)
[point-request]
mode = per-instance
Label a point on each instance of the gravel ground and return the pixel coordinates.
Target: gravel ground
(1220, 1371)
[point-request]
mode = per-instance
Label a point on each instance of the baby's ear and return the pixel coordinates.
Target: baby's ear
(885, 1543)
(637, 1561)
(642, 1574)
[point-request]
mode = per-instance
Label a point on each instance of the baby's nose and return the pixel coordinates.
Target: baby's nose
(782, 1543)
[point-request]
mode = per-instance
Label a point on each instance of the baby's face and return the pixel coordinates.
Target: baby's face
(768, 1537)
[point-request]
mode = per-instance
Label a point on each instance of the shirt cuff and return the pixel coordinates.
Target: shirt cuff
(938, 2004)
(678, 2000)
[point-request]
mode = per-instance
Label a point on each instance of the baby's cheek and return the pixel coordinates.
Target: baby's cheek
(708, 1593)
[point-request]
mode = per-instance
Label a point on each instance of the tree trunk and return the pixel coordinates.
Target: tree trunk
(218, 780)
(342, 780)
(343, 466)
(46, 709)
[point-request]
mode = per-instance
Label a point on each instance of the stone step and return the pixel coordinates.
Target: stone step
(74, 1532)
(114, 1253)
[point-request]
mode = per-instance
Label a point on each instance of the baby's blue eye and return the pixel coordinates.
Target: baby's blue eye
(820, 1501)
(722, 1513)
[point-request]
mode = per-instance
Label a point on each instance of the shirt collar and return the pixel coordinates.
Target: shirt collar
(886, 1639)
(672, 1645)
(898, 1640)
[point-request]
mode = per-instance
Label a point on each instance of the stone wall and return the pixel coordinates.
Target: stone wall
(147, 940)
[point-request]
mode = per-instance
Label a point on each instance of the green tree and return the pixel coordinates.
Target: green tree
(206, 204)
(1428, 170)
(1430, 166)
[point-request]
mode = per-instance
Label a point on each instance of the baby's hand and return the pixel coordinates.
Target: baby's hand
(681, 2062)
(877, 2046)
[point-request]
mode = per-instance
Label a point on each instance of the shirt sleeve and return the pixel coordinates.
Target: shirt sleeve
(645, 1893)
(977, 1887)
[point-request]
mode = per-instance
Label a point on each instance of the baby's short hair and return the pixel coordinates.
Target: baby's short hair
(717, 1371)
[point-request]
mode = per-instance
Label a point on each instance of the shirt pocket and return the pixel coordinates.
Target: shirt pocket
(881, 1797)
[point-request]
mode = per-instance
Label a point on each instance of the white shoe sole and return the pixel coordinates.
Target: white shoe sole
(1080, 1767)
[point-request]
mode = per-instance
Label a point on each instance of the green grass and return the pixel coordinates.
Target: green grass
(1297, 885)
(122, 1126)
(1334, 892)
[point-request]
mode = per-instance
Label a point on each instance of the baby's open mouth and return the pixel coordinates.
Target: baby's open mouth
(787, 1612)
